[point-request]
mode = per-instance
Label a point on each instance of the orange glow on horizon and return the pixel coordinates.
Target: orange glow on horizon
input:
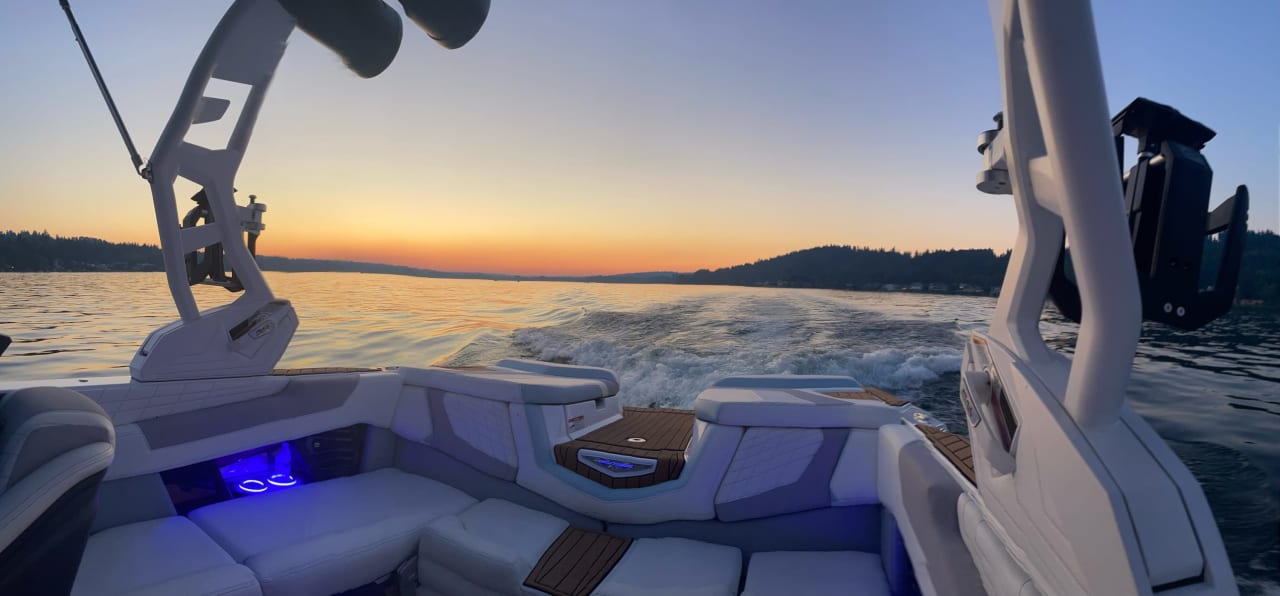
(524, 258)
(506, 249)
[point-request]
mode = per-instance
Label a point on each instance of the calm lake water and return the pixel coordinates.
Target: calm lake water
(1214, 395)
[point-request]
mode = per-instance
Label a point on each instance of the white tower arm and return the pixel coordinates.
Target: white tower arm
(1074, 492)
(249, 335)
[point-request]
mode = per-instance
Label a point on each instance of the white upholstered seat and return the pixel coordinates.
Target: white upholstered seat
(785, 573)
(159, 558)
(330, 536)
(674, 566)
(491, 548)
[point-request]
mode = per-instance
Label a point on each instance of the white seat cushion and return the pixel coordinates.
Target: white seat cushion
(330, 536)
(794, 408)
(815, 574)
(159, 557)
(674, 567)
(854, 480)
(491, 546)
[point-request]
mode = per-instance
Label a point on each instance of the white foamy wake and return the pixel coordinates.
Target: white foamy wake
(668, 376)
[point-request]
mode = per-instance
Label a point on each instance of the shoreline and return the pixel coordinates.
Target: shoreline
(1249, 303)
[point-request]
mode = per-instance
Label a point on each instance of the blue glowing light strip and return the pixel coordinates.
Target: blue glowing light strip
(252, 485)
(614, 464)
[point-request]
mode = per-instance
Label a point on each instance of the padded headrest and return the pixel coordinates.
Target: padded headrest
(520, 381)
(40, 423)
(791, 408)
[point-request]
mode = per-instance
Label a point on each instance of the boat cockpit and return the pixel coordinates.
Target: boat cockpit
(209, 471)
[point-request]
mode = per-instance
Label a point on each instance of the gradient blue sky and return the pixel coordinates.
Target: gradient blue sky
(594, 136)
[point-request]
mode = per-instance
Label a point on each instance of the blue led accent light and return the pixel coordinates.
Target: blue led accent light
(252, 485)
(282, 463)
(261, 470)
(614, 464)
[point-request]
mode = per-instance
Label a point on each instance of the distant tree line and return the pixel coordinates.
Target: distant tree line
(38, 251)
(1259, 269)
(860, 268)
(851, 267)
(840, 267)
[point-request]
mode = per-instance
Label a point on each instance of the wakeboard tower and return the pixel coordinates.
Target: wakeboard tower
(1071, 492)
(1068, 476)
(208, 245)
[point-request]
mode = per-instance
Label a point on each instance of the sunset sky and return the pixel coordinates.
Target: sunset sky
(590, 136)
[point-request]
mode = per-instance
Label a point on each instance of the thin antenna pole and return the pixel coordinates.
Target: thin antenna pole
(106, 95)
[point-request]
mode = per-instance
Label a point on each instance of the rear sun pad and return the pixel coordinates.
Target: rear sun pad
(576, 563)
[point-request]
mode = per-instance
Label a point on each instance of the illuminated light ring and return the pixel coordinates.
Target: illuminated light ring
(282, 480)
(252, 485)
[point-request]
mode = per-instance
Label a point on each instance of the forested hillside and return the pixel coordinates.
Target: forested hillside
(847, 267)
(841, 267)
(863, 268)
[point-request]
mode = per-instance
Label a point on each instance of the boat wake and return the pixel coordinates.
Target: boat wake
(671, 376)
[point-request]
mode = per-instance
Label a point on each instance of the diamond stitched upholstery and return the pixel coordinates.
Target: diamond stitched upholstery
(768, 458)
(483, 424)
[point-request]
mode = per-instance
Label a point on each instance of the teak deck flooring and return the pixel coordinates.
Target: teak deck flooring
(869, 393)
(954, 447)
(666, 434)
(577, 562)
(322, 370)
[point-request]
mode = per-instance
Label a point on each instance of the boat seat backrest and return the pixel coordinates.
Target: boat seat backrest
(55, 446)
(1001, 575)
(920, 496)
(474, 430)
(41, 423)
(780, 470)
(465, 412)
